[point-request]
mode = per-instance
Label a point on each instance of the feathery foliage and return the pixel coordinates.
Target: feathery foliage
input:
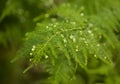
(70, 36)
(67, 39)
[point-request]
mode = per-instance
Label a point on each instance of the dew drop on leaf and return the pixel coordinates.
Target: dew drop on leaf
(95, 55)
(105, 57)
(98, 45)
(31, 54)
(46, 57)
(33, 49)
(47, 27)
(89, 31)
(74, 40)
(30, 60)
(34, 46)
(64, 40)
(76, 50)
(71, 36)
(82, 14)
(54, 25)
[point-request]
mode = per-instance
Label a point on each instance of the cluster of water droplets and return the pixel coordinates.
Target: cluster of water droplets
(32, 50)
(72, 37)
(77, 48)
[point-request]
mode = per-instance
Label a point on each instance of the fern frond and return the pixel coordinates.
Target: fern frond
(72, 39)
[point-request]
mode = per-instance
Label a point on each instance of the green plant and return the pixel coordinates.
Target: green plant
(74, 44)
(16, 18)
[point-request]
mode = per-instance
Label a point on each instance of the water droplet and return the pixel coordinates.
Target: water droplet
(89, 31)
(46, 57)
(33, 49)
(105, 57)
(54, 25)
(64, 40)
(31, 54)
(34, 46)
(74, 40)
(71, 36)
(95, 55)
(76, 50)
(82, 14)
(47, 27)
(98, 45)
(30, 60)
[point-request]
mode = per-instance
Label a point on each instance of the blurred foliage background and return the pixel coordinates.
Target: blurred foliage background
(20, 16)
(16, 18)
